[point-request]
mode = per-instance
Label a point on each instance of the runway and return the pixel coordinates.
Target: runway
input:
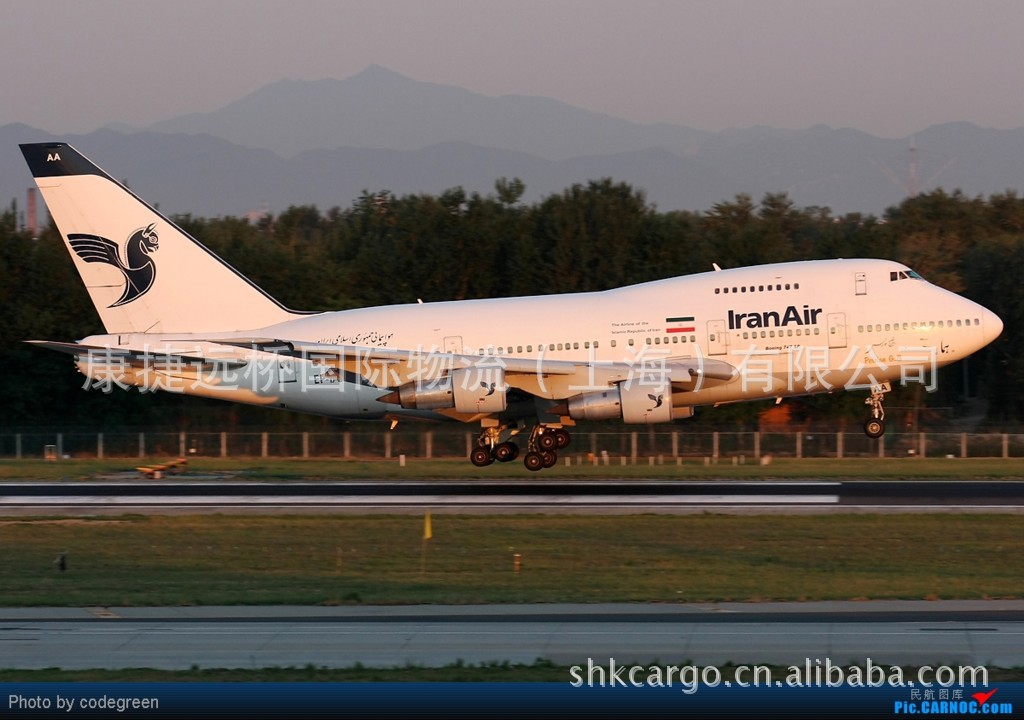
(476, 496)
(889, 632)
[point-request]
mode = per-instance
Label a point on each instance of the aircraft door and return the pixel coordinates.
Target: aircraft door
(860, 283)
(453, 344)
(718, 339)
(836, 330)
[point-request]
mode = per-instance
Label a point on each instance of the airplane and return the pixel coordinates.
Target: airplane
(180, 319)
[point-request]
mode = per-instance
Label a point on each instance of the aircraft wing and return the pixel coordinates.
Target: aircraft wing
(146, 358)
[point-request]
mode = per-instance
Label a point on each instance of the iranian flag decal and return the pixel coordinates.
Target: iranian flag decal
(679, 324)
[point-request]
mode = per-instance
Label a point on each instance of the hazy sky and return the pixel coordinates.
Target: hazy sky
(887, 67)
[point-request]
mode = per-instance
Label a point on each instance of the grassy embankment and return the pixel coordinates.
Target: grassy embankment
(310, 560)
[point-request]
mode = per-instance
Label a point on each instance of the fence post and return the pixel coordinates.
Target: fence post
(181, 444)
(346, 444)
(305, 444)
(757, 445)
(675, 443)
(263, 444)
(633, 446)
(387, 444)
(1006, 446)
(881, 446)
(142, 445)
(223, 444)
(429, 442)
(99, 446)
(839, 446)
(714, 445)
(17, 446)
(799, 444)
(921, 443)
(963, 445)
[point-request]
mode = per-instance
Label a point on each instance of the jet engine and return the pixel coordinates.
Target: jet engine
(638, 403)
(467, 390)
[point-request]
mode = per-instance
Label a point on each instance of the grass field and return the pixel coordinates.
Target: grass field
(310, 560)
(291, 469)
(232, 559)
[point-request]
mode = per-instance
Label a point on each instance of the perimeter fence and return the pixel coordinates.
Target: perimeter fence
(427, 444)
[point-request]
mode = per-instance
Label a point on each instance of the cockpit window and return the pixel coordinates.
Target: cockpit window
(895, 275)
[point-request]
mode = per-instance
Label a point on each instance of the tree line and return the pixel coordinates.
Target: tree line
(386, 249)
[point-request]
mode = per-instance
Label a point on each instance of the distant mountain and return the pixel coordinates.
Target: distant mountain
(381, 109)
(325, 142)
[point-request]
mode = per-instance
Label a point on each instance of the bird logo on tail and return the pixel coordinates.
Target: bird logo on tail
(138, 267)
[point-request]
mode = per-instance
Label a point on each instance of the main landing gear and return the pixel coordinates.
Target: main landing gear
(541, 447)
(874, 426)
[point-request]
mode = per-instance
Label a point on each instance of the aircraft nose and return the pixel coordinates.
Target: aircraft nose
(991, 326)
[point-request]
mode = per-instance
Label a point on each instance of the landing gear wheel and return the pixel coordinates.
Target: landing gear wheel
(506, 452)
(549, 457)
(874, 428)
(533, 461)
(547, 441)
(481, 457)
(562, 439)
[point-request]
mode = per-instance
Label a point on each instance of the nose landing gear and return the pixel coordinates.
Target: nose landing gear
(874, 426)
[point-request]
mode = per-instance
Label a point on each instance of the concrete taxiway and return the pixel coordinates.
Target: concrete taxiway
(889, 632)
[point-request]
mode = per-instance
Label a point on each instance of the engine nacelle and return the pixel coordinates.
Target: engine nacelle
(638, 403)
(467, 390)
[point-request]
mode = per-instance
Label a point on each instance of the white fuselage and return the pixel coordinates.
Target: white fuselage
(789, 329)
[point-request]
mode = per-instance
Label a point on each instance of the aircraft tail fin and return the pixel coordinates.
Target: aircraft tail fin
(144, 273)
